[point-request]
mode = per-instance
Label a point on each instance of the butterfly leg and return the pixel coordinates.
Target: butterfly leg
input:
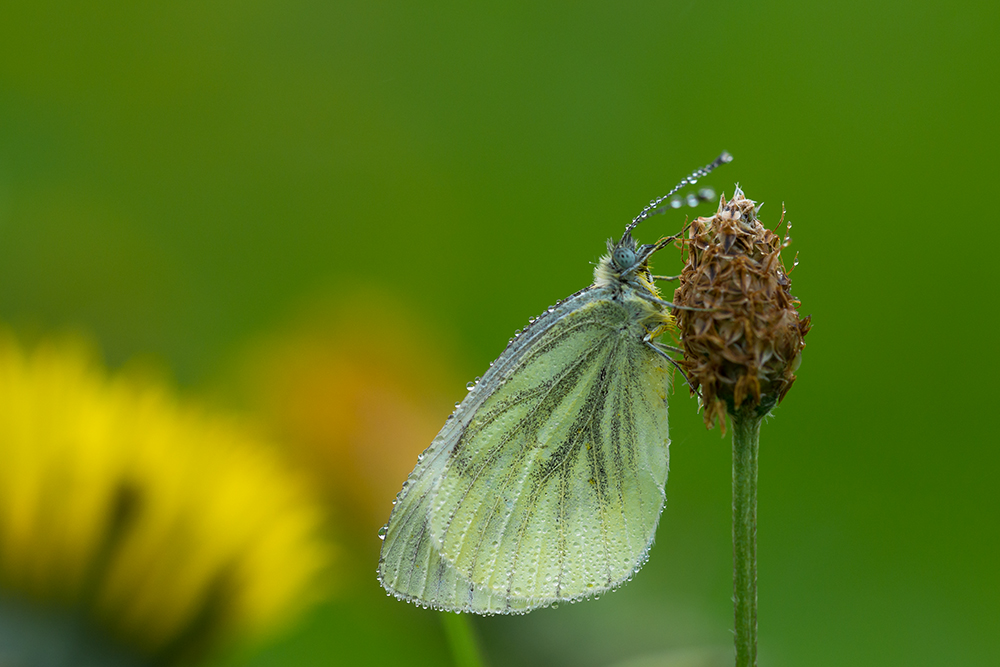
(669, 304)
(656, 348)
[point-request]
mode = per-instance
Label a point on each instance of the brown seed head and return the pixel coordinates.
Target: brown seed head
(744, 348)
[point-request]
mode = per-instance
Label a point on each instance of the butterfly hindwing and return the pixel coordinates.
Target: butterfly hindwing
(548, 483)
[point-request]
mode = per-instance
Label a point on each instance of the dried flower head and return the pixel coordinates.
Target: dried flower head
(742, 350)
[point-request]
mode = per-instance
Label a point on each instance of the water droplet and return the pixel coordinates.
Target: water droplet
(469, 386)
(456, 405)
(382, 531)
(692, 200)
(676, 202)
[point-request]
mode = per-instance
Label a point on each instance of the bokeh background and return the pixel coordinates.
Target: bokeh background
(327, 217)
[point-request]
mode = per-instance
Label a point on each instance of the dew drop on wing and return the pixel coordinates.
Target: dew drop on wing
(382, 531)
(469, 386)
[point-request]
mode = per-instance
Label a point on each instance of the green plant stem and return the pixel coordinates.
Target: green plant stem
(462, 640)
(746, 439)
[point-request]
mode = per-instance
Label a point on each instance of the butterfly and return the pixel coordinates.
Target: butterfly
(547, 482)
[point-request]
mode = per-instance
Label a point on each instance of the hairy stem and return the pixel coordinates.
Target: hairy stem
(462, 640)
(746, 438)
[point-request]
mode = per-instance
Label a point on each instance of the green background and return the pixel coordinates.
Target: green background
(176, 177)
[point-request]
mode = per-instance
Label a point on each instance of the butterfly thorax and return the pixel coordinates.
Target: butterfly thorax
(625, 273)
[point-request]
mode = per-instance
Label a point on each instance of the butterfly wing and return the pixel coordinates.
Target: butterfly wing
(548, 482)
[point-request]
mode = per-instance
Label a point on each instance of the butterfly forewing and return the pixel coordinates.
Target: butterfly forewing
(548, 483)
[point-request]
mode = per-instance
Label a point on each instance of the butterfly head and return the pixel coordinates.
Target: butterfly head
(626, 262)
(624, 254)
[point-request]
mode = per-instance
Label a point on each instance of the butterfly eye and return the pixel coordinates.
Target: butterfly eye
(624, 257)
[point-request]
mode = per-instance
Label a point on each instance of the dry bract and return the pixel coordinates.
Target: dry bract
(742, 350)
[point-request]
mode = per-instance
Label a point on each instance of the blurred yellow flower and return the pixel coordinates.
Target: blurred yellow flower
(166, 527)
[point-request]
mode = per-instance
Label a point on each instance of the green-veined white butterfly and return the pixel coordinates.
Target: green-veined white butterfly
(547, 482)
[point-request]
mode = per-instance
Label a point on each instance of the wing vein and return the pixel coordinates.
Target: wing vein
(523, 424)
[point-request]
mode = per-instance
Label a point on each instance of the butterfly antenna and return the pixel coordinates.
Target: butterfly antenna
(690, 179)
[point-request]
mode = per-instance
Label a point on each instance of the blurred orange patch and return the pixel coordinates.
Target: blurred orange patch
(358, 389)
